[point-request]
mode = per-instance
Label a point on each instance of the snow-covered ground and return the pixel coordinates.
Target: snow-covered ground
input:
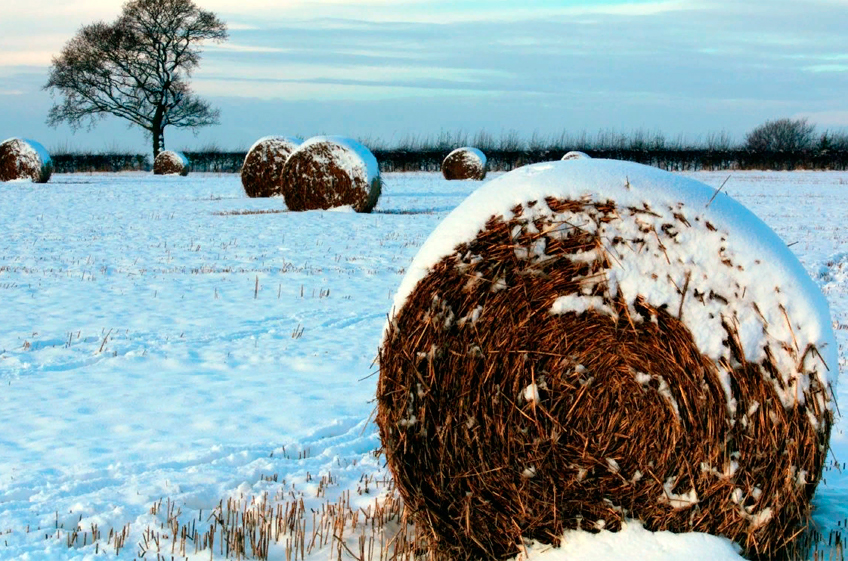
(163, 338)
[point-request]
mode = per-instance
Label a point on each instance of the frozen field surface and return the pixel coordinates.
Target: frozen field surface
(167, 338)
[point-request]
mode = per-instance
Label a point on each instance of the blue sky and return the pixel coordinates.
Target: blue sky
(392, 68)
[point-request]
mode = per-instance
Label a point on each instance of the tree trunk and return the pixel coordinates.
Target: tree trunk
(157, 131)
(156, 139)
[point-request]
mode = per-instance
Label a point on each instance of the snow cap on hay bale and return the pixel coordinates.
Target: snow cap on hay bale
(576, 155)
(587, 341)
(169, 162)
(262, 171)
(22, 159)
(329, 172)
(464, 163)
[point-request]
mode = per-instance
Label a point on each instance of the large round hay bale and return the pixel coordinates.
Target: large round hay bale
(464, 163)
(27, 160)
(169, 162)
(262, 171)
(576, 155)
(331, 171)
(588, 341)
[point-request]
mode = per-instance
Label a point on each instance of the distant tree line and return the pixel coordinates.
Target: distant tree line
(783, 144)
(70, 162)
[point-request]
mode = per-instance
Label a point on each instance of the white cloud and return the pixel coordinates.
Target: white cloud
(827, 68)
(302, 81)
(317, 92)
(400, 53)
(427, 11)
(26, 58)
(70, 11)
(236, 26)
(30, 49)
(825, 119)
(238, 48)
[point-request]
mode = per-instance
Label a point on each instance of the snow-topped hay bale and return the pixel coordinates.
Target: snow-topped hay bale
(464, 163)
(576, 155)
(22, 159)
(588, 341)
(331, 171)
(169, 162)
(262, 171)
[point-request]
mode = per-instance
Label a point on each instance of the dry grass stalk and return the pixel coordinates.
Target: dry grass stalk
(248, 212)
(253, 527)
(503, 422)
(262, 171)
(464, 163)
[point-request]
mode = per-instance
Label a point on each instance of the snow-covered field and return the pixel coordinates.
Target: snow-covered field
(163, 338)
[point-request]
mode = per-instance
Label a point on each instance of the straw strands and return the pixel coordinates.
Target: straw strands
(22, 159)
(465, 163)
(170, 163)
(608, 348)
(329, 172)
(262, 171)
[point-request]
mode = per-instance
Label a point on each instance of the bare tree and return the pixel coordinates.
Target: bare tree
(719, 141)
(781, 135)
(833, 140)
(137, 68)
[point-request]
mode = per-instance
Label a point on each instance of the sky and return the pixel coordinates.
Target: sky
(389, 70)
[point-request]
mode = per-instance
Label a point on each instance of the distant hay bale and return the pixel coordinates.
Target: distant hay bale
(170, 163)
(262, 172)
(22, 159)
(576, 155)
(584, 342)
(331, 171)
(465, 163)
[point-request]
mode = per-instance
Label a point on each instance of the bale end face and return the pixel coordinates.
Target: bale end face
(262, 171)
(169, 162)
(22, 159)
(522, 394)
(330, 172)
(464, 163)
